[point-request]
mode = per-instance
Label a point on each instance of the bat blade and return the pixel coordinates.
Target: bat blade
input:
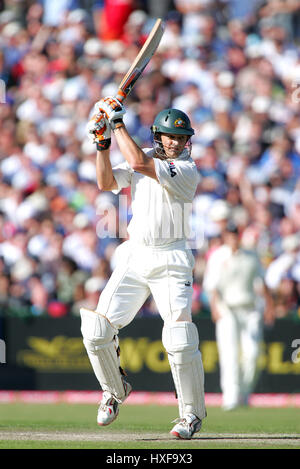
(141, 60)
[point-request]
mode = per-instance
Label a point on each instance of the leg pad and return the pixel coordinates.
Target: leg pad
(181, 342)
(100, 339)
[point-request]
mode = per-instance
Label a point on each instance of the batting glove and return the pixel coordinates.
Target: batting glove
(98, 130)
(113, 110)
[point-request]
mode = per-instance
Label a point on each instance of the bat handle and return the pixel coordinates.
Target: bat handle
(121, 95)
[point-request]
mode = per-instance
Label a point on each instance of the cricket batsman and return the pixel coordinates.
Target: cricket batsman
(154, 260)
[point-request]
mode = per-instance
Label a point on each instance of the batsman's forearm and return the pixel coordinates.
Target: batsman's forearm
(129, 149)
(104, 173)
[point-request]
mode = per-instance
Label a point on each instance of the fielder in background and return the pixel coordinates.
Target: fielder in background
(239, 303)
(154, 260)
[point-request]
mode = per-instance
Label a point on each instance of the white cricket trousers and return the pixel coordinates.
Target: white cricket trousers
(164, 272)
(238, 335)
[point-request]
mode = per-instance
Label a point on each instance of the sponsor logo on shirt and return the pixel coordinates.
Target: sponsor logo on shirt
(172, 169)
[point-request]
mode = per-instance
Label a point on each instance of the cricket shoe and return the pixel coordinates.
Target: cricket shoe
(109, 407)
(186, 427)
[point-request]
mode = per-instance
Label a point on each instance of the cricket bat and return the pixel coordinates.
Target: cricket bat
(141, 60)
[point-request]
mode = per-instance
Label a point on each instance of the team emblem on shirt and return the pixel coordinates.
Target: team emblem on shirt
(172, 169)
(179, 123)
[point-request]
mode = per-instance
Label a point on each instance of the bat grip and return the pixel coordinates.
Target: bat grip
(121, 95)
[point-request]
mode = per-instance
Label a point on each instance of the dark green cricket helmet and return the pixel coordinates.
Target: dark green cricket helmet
(172, 121)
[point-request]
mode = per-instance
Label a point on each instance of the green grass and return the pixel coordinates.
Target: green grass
(147, 427)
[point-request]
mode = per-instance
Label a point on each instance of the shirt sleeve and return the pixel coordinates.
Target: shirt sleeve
(122, 174)
(211, 277)
(178, 177)
(213, 269)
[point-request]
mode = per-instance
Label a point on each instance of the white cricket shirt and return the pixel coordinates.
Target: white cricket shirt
(160, 210)
(234, 275)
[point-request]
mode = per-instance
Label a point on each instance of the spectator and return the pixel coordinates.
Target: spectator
(55, 13)
(234, 69)
(111, 16)
(286, 265)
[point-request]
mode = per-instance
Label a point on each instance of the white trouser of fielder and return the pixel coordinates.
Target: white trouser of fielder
(166, 273)
(238, 334)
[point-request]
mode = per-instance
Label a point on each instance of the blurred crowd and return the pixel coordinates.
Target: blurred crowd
(233, 67)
